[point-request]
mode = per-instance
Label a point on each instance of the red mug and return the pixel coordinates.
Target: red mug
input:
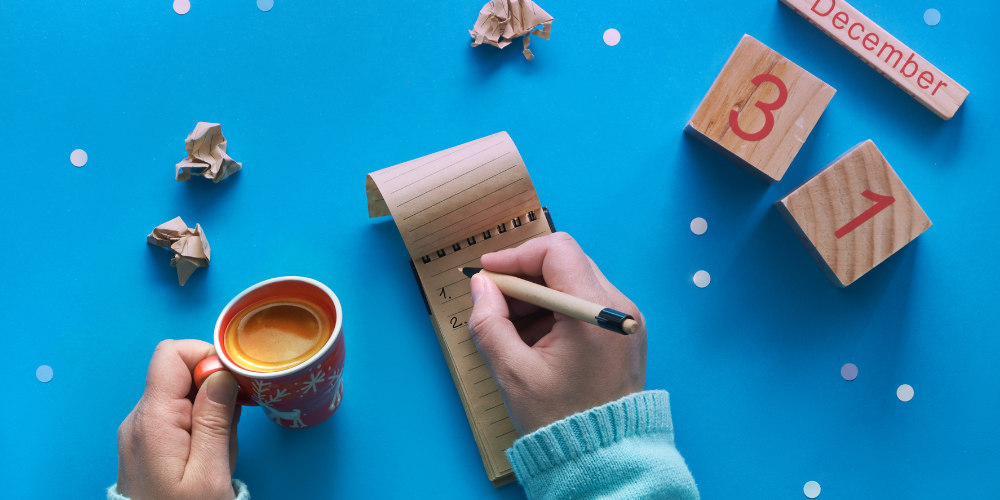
(304, 395)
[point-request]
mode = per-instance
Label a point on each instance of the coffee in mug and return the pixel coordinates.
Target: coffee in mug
(277, 333)
(283, 340)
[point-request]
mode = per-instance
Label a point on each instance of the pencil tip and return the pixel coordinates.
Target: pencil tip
(470, 271)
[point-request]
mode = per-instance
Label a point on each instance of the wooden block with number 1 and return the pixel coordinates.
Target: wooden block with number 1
(760, 110)
(854, 214)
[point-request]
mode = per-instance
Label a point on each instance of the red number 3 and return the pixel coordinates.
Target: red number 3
(766, 107)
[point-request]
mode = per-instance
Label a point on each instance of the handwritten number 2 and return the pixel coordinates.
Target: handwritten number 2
(766, 107)
(455, 323)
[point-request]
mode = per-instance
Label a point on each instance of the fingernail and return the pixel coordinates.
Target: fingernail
(220, 388)
(477, 288)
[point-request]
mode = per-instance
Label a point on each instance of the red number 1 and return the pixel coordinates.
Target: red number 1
(881, 203)
(766, 107)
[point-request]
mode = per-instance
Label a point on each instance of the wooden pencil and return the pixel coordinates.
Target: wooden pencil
(559, 302)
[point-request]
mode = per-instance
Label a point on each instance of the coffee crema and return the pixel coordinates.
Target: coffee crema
(278, 333)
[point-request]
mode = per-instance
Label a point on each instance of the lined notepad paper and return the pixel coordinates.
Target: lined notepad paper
(451, 207)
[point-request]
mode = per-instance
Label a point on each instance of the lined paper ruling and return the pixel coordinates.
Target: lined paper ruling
(452, 207)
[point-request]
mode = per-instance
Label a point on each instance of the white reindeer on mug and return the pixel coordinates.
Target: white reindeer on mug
(337, 384)
(295, 416)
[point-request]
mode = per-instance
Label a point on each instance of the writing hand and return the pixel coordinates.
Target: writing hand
(550, 366)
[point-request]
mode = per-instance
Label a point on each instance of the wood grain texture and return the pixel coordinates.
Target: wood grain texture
(807, 98)
(884, 53)
(833, 198)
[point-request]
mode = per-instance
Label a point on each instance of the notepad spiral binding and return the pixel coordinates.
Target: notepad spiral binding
(501, 228)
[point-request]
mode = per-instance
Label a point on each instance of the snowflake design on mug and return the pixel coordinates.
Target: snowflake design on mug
(314, 379)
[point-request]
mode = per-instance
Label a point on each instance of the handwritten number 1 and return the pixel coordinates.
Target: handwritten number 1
(766, 107)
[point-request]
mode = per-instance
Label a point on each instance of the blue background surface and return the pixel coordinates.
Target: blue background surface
(314, 95)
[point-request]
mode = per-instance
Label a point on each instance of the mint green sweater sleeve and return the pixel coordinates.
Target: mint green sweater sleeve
(624, 449)
(238, 486)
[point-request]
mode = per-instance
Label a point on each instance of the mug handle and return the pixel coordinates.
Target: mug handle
(211, 365)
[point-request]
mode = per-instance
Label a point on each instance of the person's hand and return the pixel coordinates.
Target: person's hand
(551, 366)
(175, 444)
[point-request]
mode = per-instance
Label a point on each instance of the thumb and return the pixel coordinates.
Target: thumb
(211, 421)
(495, 336)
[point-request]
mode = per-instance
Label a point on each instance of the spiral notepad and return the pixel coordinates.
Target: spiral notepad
(451, 207)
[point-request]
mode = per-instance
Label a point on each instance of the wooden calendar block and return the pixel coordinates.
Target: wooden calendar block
(760, 110)
(885, 53)
(854, 214)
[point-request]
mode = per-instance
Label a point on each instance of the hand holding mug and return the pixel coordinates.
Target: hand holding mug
(174, 444)
(284, 352)
(283, 340)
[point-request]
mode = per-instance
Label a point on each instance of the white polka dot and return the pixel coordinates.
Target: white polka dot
(849, 371)
(612, 37)
(265, 5)
(78, 157)
(811, 489)
(44, 373)
(699, 226)
(182, 6)
(932, 17)
(702, 279)
(904, 393)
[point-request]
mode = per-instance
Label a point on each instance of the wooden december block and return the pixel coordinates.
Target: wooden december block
(759, 110)
(884, 53)
(854, 214)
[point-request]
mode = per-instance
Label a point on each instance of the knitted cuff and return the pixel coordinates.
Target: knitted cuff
(574, 437)
(242, 493)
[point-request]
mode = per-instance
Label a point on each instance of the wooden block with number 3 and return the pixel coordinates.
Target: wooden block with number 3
(854, 214)
(760, 110)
